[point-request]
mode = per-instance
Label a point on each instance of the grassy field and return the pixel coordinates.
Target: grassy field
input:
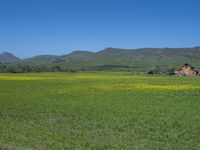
(99, 111)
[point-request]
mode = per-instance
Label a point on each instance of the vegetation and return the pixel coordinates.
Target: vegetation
(63, 68)
(159, 71)
(98, 111)
(136, 59)
(31, 69)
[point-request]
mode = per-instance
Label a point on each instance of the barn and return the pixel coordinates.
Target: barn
(187, 70)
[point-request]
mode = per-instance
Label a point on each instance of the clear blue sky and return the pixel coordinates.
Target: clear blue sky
(32, 27)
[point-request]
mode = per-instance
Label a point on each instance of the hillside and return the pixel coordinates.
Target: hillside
(41, 59)
(121, 58)
(6, 57)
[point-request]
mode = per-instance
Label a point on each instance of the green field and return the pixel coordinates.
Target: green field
(99, 111)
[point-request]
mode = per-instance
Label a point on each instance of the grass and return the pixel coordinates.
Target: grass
(99, 111)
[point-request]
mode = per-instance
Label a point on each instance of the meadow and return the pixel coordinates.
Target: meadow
(99, 111)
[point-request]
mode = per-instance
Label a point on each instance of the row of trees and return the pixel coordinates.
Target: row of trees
(159, 71)
(56, 68)
(27, 69)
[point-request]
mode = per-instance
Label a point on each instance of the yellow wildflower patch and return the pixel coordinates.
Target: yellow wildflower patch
(23, 78)
(141, 86)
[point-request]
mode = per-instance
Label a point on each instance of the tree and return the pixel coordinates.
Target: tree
(56, 69)
(171, 71)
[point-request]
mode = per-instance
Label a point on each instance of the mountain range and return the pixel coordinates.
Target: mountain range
(113, 57)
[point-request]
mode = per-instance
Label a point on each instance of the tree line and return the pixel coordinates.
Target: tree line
(19, 68)
(29, 69)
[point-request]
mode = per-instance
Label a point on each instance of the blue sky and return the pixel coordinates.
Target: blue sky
(34, 27)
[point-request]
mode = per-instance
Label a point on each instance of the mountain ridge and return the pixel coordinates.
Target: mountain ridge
(141, 57)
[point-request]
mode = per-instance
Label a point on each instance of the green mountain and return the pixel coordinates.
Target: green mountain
(109, 58)
(39, 60)
(6, 57)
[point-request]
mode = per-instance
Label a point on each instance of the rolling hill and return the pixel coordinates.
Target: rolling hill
(115, 57)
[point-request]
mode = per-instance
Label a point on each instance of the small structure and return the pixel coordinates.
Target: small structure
(187, 70)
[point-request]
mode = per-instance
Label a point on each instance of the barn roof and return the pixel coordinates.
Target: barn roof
(186, 64)
(192, 67)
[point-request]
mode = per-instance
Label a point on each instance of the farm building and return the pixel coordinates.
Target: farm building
(187, 70)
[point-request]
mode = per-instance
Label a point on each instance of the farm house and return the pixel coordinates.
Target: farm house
(187, 70)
